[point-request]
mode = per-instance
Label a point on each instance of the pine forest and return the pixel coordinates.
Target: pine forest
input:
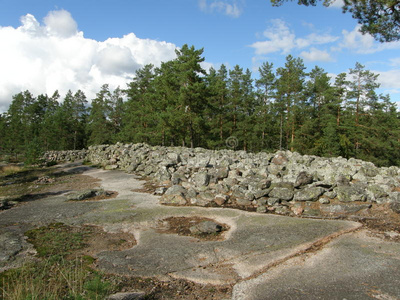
(181, 104)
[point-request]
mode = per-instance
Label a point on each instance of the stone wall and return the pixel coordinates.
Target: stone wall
(69, 155)
(284, 182)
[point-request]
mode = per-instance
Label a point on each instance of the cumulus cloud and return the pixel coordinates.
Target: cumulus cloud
(389, 79)
(337, 4)
(316, 55)
(60, 23)
(54, 55)
(364, 43)
(280, 38)
(228, 7)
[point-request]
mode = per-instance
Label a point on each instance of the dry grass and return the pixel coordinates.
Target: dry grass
(10, 169)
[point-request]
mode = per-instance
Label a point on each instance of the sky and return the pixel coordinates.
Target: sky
(66, 45)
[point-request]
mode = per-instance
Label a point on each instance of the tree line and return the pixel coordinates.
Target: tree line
(180, 104)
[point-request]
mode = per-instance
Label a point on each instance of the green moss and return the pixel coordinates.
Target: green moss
(57, 239)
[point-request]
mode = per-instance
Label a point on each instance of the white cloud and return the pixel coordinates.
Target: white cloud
(56, 56)
(280, 38)
(60, 23)
(389, 79)
(230, 8)
(364, 43)
(316, 55)
(395, 62)
(337, 4)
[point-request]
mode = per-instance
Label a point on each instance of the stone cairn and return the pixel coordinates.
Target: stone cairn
(283, 182)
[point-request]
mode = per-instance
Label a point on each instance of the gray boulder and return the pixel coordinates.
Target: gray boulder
(206, 227)
(281, 193)
(309, 194)
(176, 194)
(303, 179)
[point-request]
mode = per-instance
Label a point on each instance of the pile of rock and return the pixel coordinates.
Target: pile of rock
(68, 155)
(284, 182)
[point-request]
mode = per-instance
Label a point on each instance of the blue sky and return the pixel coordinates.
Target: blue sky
(47, 45)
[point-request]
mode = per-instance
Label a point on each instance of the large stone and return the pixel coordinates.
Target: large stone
(309, 194)
(176, 194)
(281, 193)
(347, 193)
(206, 227)
(201, 179)
(85, 194)
(303, 179)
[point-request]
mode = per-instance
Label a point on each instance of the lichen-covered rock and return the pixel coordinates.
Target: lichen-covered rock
(246, 177)
(309, 194)
(176, 194)
(85, 194)
(206, 227)
(282, 193)
(303, 179)
(347, 193)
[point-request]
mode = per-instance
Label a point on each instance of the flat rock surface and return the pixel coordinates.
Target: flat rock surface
(264, 256)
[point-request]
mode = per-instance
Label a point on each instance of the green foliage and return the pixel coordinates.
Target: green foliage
(380, 18)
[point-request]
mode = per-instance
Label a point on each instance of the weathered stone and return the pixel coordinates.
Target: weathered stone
(282, 210)
(324, 200)
(261, 193)
(346, 193)
(127, 296)
(262, 201)
(375, 192)
(201, 179)
(281, 193)
(176, 194)
(111, 167)
(303, 179)
(279, 159)
(330, 194)
(273, 201)
(205, 198)
(261, 209)
(395, 206)
(221, 199)
(86, 194)
(309, 211)
(160, 190)
(206, 227)
(297, 209)
(308, 194)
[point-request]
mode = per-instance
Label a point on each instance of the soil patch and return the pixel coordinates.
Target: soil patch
(148, 186)
(72, 241)
(172, 289)
(182, 225)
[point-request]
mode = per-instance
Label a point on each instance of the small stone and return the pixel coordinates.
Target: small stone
(221, 199)
(127, 296)
(297, 210)
(261, 209)
(160, 190)
(395, 206)
(324, 200)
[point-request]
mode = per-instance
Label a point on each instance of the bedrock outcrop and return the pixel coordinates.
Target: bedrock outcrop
(284, 182)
